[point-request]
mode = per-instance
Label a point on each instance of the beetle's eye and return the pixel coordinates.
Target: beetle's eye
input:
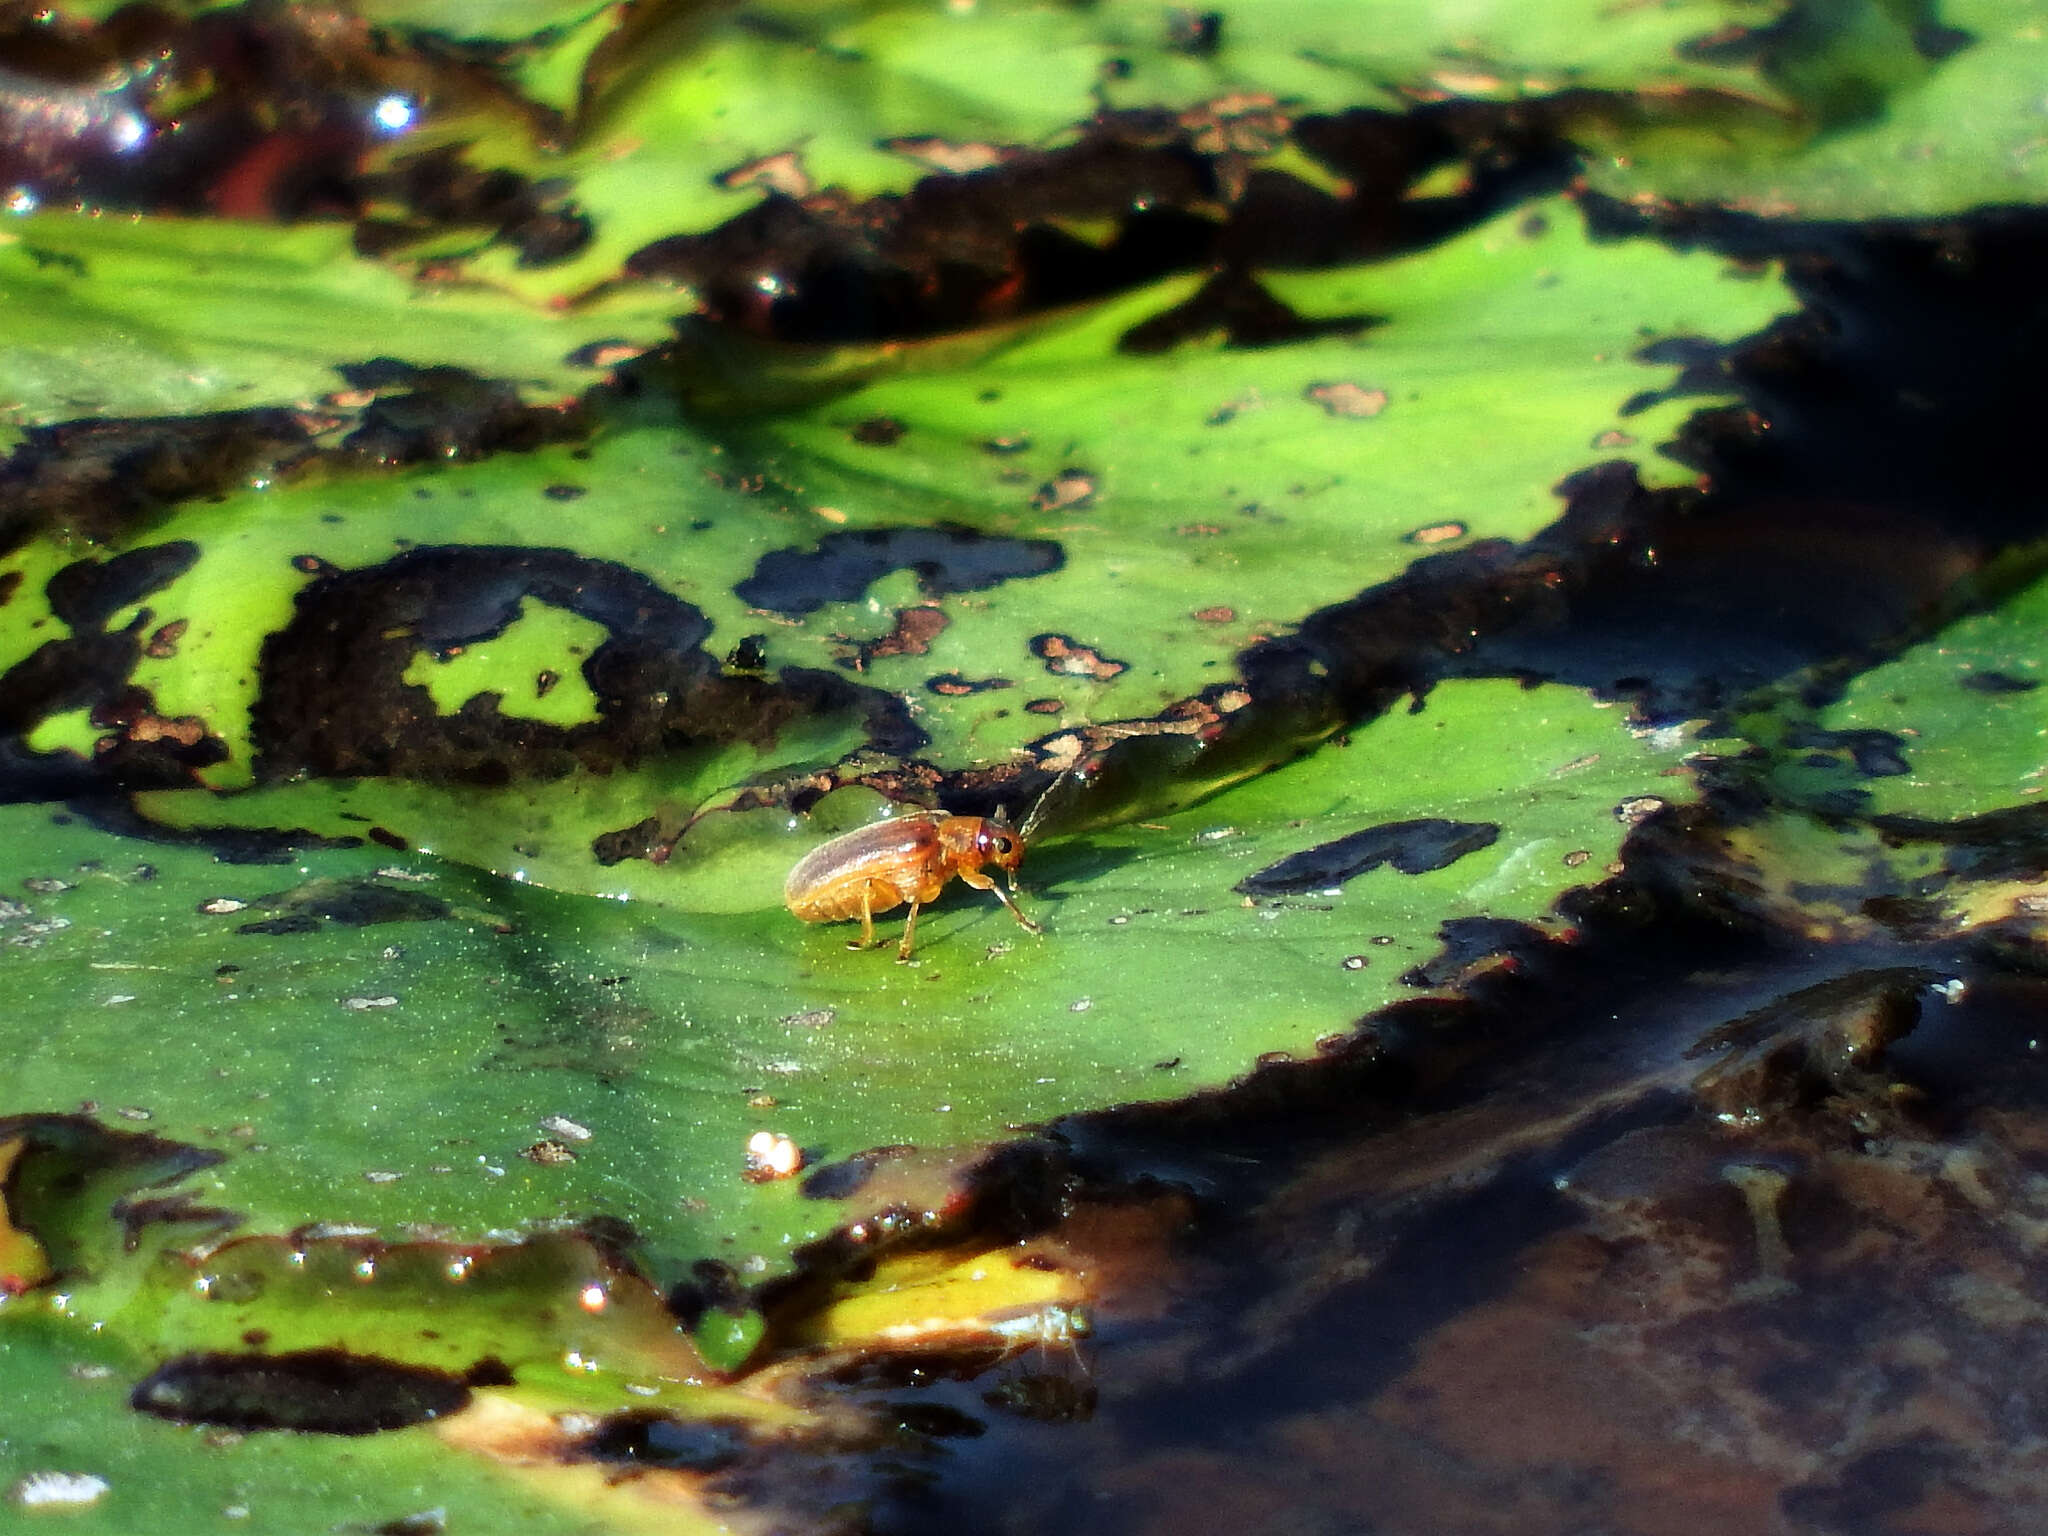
(1004, 845)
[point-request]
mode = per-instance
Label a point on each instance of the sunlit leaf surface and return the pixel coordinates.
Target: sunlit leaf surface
(493, 492)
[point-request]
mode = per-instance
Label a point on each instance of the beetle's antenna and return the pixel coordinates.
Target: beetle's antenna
(1035, 817)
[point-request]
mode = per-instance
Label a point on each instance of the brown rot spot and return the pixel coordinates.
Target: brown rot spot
(313, 565)
(1344, 398)
(549, 1153)
(1003, 446)
(1434, 533)
(144, 747)
(950, 156)
(1065, 656)
(10, 583)
(912, 635)
(318, 1391)
(608, 353)
(385, 838)
(1069, 490)
(185, 730)
(164, 642)
(1412, 847)
(1044, 706)
(953, 685)
(1216, 615)
(879, 431)
(781, 172)
(544, 682)
(565, 492)
(1199, 530)
(1614, 438)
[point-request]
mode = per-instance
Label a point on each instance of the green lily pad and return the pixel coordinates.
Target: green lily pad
(1931, 114)
(163, 316)
(1508, 357)
(979, 566)
(1956, 726)
(382, 1048)
(127, 1472)
(868, 98)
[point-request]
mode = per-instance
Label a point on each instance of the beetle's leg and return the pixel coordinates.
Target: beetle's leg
(909, 928)
(1008, 898)
(867, 922)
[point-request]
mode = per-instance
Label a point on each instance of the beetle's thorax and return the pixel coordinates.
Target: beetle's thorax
(962, 840)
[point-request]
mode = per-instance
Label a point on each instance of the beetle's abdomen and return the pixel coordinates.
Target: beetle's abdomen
(889, 862)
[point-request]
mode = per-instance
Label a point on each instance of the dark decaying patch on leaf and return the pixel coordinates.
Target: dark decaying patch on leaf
(641, 840)
(1876, 754)
(438, 191)
(1234, 304)
(90, 670)
(949, 252)
(944, 558)
(1469, 943)
(1198, 34)
(1343, 663)
(1412, 847)
(1703, 369)
(2006, 844)
(958, 250)
(73, 1172)
(358, 903)
(319, 1391)
(86, 593)
(847, 1177)
(641, 1437)
(1998, 682)
(64, 675)
(443, 415)
(879, 431)
(99, 478)
(276, 117)
(334, 699)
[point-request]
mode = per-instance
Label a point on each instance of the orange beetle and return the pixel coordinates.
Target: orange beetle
(909, 858)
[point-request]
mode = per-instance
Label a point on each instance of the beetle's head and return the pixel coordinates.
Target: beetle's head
(999, 843)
